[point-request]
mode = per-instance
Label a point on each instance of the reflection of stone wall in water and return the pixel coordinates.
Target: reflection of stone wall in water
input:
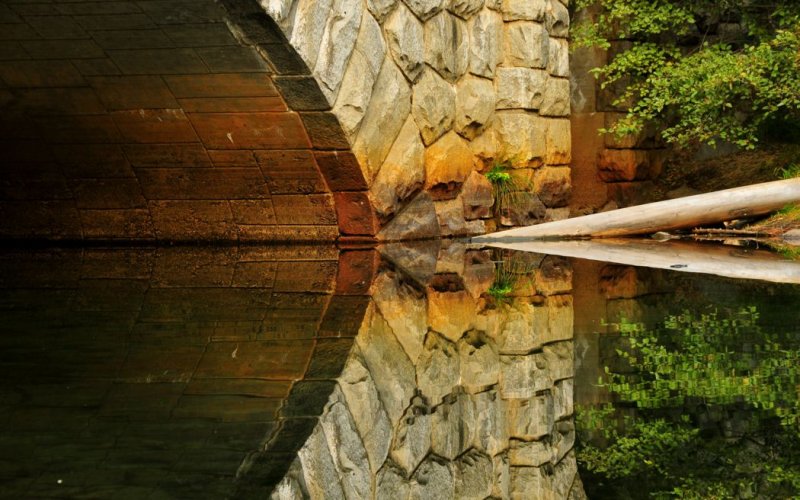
(447, 394)
(155, 373)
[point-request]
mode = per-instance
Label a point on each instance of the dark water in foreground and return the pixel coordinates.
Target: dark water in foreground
(429, 371)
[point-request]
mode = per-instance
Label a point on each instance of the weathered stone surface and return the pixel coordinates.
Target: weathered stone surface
(486, 41)
(558, 57)
(528, 10)
(479, 361)
(554, 276)
(478, 272)
(358, 80)
(553, 185)
(563, 439)
(465, 9)
(517, 377)
(425, 9)
(279, 11)
(437, 368)
(527, 209)
(535, 482)
(338, 42)
(563, 399)
(381, 8)
(560, 360)
(530, 419)
(387, 112)
(451, 313)
(520, 88)
(452, 220)
(475, 103)
(310, 19)
(447, 45)
(433, 106)
(473, 476)
(501, 480)
(453, 425)
(477, 197)
(394, 380)
(484, 148)
(554, 214)
(435, 478)
(403, 171)
(448, 161)
(623, 165)
(557, 19)
(319, 471)
(520, 137)
(558, 142)
(529, 453)
(370, 418)
(392, 483)
(412, 438)
(346, 447)
(417, 220)
(555, 99)
(404, 309)
(289, 489)
(405, 38)
(491, 433)
(519, 334)
(526, 44)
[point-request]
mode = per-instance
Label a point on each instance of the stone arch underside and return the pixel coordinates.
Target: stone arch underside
(166, 120)
(289, 120)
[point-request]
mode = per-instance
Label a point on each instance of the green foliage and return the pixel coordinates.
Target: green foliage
(696, 84)
(505, 187)
(687, 379)
(508, 271)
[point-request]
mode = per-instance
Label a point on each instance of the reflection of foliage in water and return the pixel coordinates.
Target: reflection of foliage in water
(715, 411)
(507, 273)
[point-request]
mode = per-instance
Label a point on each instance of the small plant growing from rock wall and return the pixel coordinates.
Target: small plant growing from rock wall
(508, 271)
(505, 187)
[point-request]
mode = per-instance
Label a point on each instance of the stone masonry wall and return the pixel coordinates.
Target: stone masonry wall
(447, 394)
(428, 92)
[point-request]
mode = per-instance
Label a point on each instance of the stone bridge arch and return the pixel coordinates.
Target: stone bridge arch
(183, 120)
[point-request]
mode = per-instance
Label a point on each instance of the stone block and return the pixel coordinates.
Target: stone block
(448, 163)
(433, 106)
(447, 45)
(474, 106)
(623, 165)
(405, 38)
(250, 130)
(558, 58)
(556, 98)
(530, 419)
(557, 19)
(521, 88)
(552, 185)
(451, 313)
(355, 214)
(558, 142)
(526, 44)
(527, 10)
(269, 360)
(425, 9)
(477, 197)
(402, 173)
(291, 171)
(304, 209)
(486, 40)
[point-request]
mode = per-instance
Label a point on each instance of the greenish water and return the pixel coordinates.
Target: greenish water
(434, 370)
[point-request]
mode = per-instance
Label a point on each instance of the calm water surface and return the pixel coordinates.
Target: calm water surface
(430, 371)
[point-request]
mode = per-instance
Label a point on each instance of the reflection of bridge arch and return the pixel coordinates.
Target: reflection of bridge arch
(168, 120)
(163, 373)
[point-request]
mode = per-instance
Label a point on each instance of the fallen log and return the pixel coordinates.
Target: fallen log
(687, 257)
(680, 213)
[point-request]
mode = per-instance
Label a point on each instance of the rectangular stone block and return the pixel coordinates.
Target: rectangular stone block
(158, 61)
(310, 276)
(232, 104)
(117, 224)
(290, 172)
(269, 360)
(40, 74)
(192, 220)
(227, 408)
(147, 363)
(193, 267)
(108, 193)
(204, 305)
(232, 59)
(154, 126)
(253, 211)
(55, 27)
(222, 85)
(167, 155)
(233, 158)
(317, 209)
(133, 92)
(254, 274)
(87, 129)
(250, 130)
(239, 387)
(200, 35)
(63, 49)
(294, 234)
(202, 183)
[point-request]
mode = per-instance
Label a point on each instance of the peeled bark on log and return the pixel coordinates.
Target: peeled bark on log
(691, 211)
(720, 260)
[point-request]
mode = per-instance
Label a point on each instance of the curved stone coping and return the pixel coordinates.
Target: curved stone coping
(167, 120)
(162, 372)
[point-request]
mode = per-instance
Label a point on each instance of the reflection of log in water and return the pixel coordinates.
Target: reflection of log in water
(679, 256)
(691, 211)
